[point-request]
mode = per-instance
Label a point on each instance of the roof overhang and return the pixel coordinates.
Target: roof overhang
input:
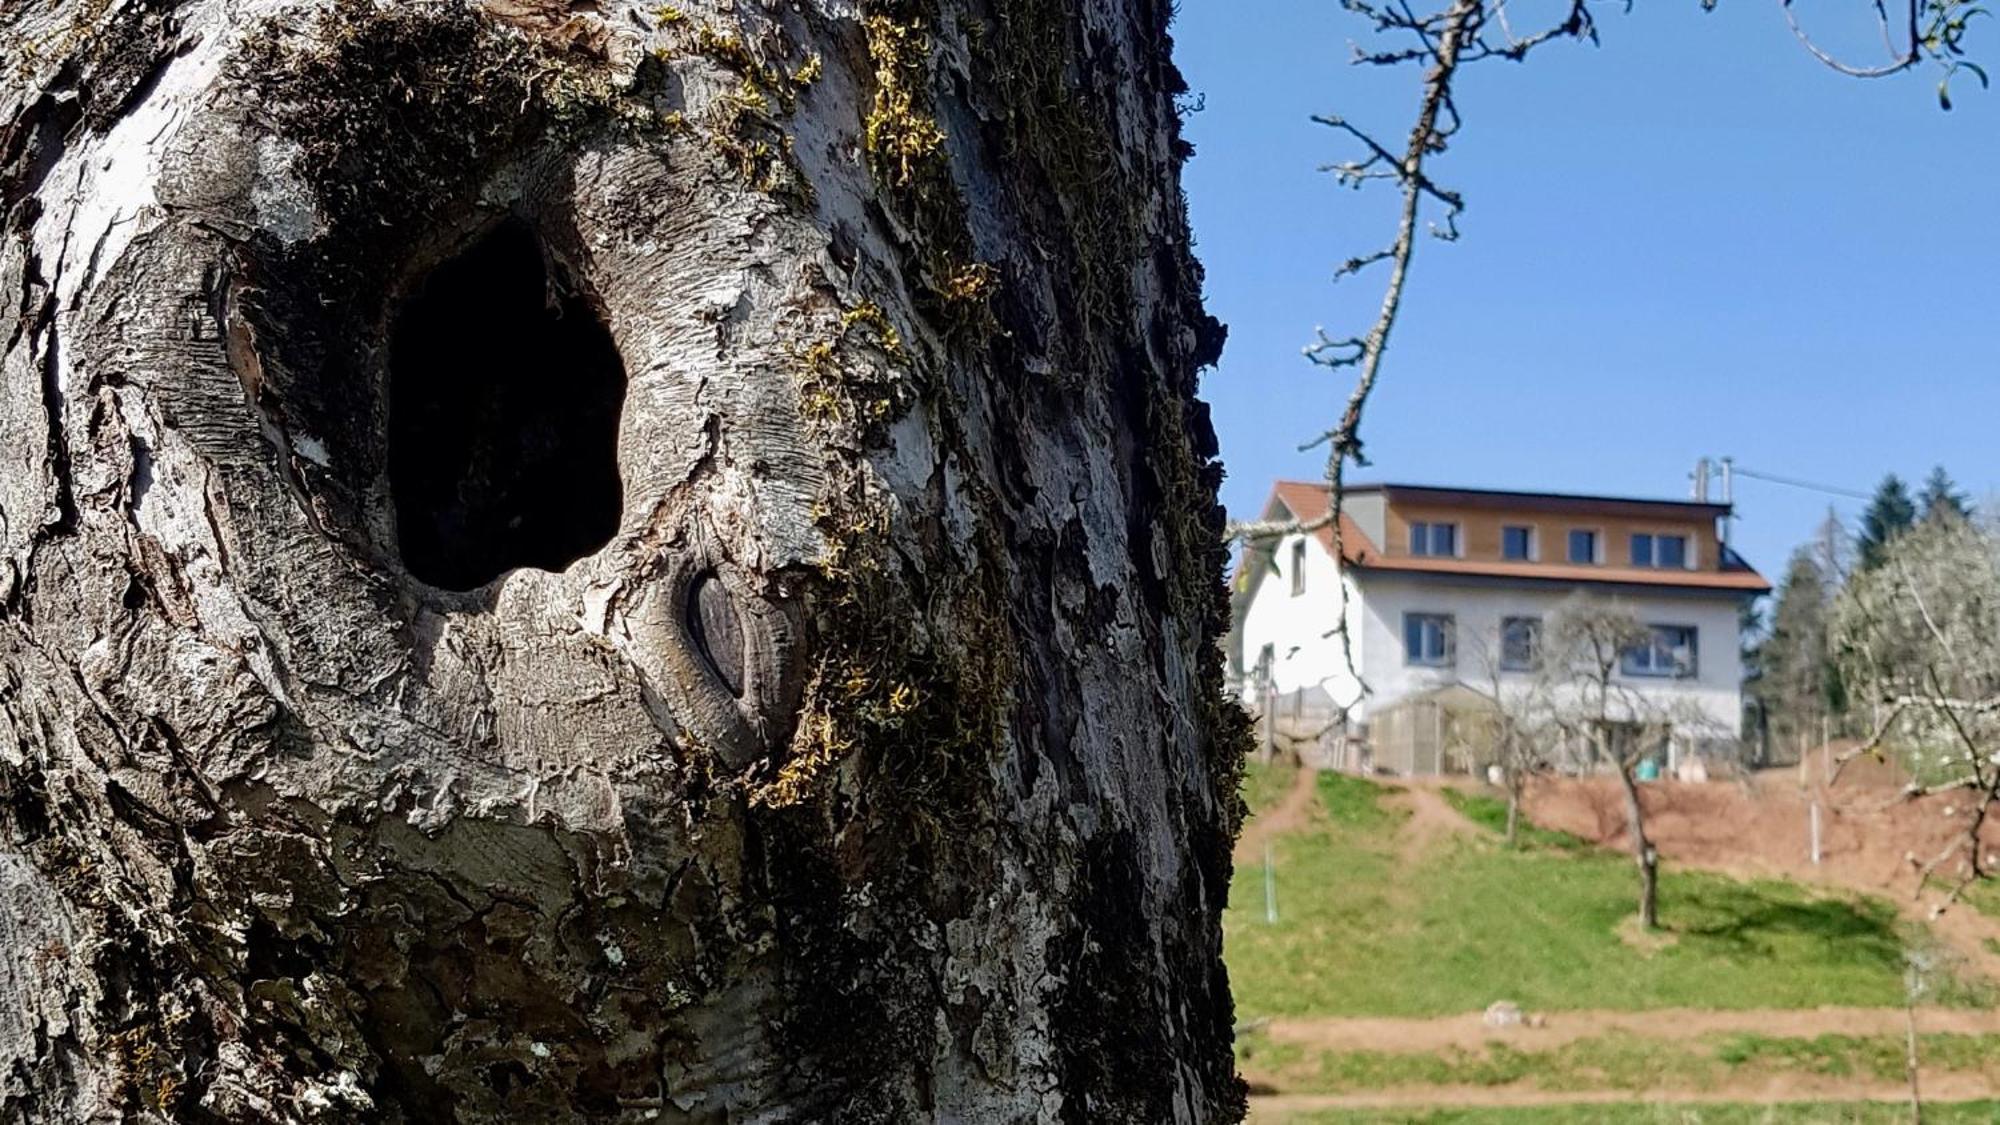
(1571, 502)
(1608, 583)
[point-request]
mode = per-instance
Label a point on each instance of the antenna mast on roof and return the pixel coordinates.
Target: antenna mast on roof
(1728, 497)
(1705, 468)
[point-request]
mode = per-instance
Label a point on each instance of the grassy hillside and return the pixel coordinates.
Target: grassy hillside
(1369, 925)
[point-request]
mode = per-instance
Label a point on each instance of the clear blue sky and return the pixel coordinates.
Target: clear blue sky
(1690, 240)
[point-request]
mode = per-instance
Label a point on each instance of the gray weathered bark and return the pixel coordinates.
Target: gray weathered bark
(1643, 852)
(869, 762)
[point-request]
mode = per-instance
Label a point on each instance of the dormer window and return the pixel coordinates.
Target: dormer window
(1666, 552)
(1583, 546)
(1434, 539)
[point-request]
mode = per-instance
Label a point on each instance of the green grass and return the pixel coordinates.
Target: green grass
(1354, 803)
(1983, 896)
(1490, 813)
(1539, 926)
(1871, 1056)
(1802, 1113)
(1617, 1061)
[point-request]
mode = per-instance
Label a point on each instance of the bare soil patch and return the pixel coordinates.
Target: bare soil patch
(1646, 942)
(1774, 1090)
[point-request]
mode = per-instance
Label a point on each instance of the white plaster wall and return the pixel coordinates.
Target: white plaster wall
(1296, 627)
(1716, 688)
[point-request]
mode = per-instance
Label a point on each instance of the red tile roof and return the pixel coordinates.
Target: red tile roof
(1307, 502)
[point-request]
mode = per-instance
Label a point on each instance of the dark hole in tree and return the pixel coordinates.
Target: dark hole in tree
(504, 395)
(718, 632)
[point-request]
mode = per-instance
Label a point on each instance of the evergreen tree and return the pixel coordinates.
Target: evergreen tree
(1941, 497)
(1889, 514)
(1792, 664)
(1832, 548)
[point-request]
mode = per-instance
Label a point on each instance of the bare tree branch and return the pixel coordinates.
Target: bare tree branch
(1901, 61)
(1260, 530)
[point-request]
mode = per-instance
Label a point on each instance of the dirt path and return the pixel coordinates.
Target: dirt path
(1292, 812)
(1754, 1091)
(1431, 819)
(1470, 1032)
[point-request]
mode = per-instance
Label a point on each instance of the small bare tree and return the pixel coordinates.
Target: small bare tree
(1917, 638)
(1587, 703)
(1518, 733)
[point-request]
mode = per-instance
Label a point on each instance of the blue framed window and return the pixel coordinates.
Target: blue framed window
(1517, 543)
(1583, 546)
(1430, 639)
(1673, 653)
(1434, 539)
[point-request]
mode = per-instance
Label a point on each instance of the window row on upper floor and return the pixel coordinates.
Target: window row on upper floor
(1430, 640)
(1583, 545)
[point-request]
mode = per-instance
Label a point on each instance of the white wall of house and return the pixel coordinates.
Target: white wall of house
(1716, 688)
(1303, 656)
(1295, 626)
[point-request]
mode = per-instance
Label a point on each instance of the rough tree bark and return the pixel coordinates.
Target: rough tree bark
(1643, 852)
(606, 561)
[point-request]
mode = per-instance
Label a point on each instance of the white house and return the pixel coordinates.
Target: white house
(1449, 586)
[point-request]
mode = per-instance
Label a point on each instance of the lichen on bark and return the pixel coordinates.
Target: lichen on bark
(305, 838)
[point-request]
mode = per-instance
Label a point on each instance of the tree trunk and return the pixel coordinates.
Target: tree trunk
(1643, 852)
(606, 562)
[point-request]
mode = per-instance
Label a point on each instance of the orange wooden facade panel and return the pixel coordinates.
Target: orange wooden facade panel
(1479, 531)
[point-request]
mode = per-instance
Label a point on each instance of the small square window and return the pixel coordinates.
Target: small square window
(1642, 550)
(1583, 546)
(1517, 544)
(1430, 639)
(1520, 643)
(1434, 539)
(1670, 551)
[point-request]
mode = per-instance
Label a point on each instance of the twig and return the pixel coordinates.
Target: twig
(1908, 57)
